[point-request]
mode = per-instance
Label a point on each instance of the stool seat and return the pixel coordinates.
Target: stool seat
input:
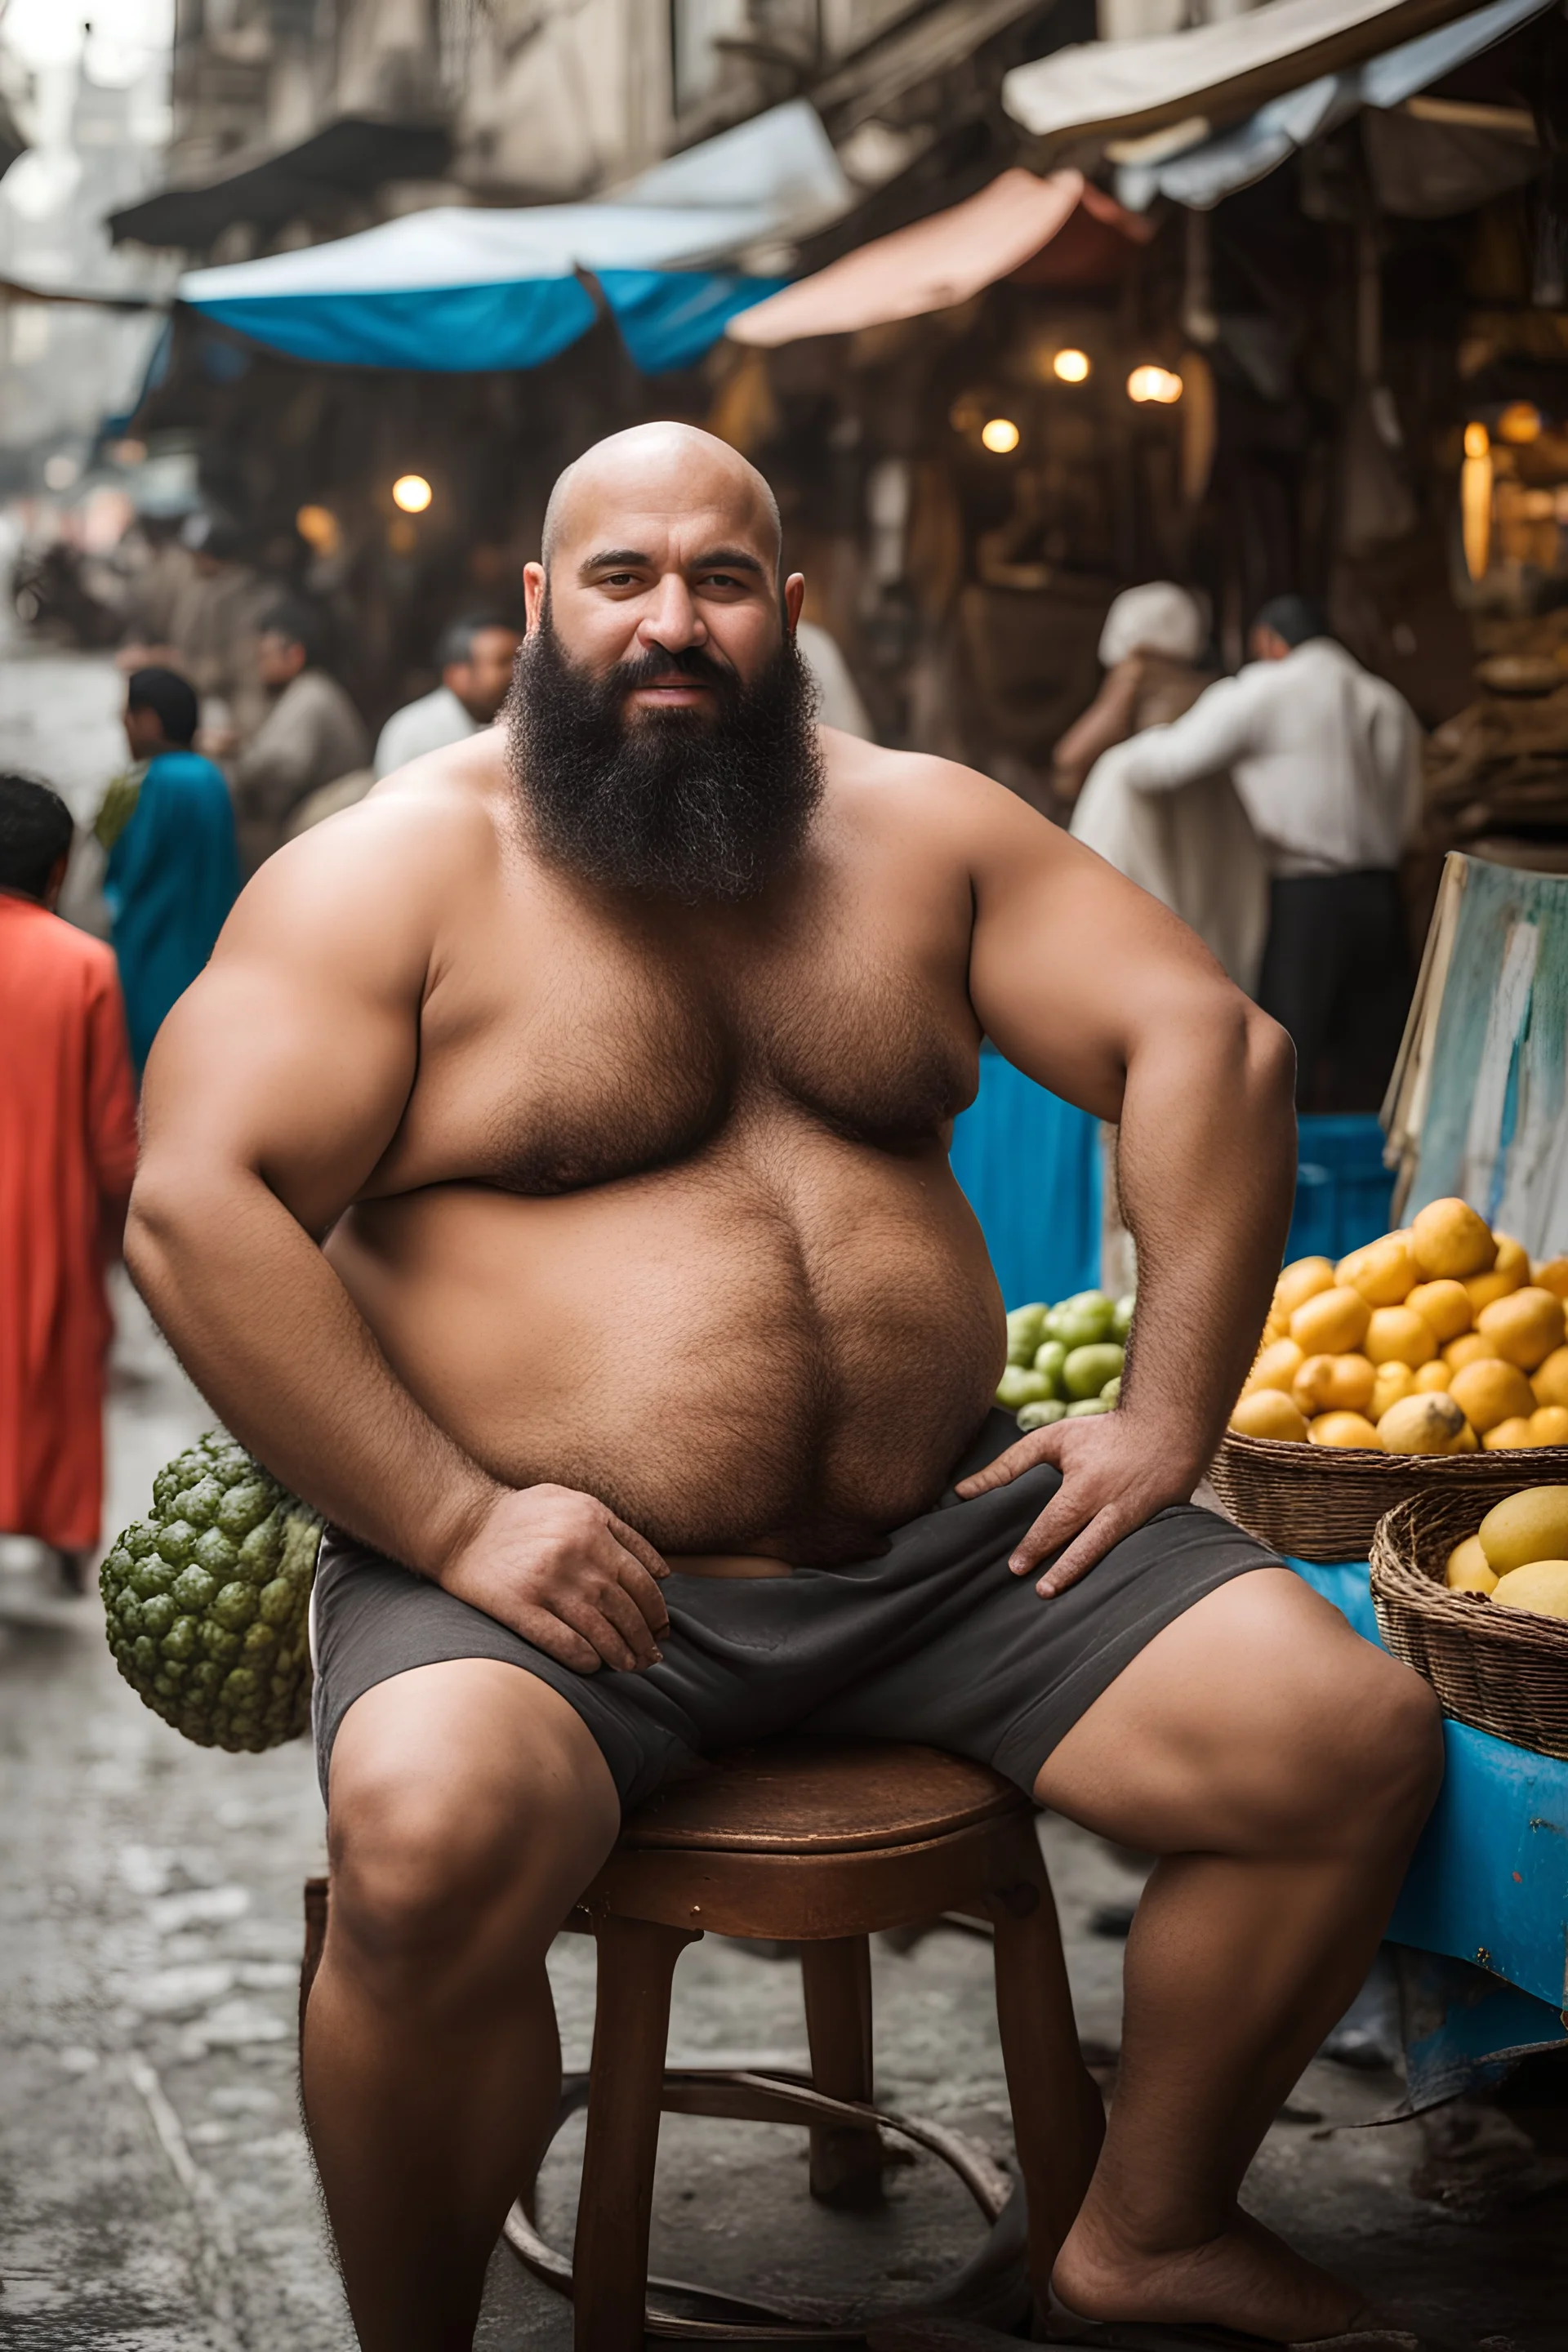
(809, 1797)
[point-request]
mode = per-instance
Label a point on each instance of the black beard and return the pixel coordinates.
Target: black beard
(690, 805)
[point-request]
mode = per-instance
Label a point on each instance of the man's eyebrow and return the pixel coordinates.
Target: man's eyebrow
(729, 559)
(617, 559)
(613, 559)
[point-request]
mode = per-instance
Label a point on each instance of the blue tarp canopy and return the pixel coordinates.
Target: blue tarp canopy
(462, 287)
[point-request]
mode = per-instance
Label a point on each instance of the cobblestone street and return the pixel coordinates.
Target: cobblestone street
(157, 2188)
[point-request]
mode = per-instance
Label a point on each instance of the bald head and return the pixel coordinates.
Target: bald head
(659, 466)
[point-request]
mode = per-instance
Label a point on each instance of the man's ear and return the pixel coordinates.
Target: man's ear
(794, 597)
(534, 589)
(57, 881)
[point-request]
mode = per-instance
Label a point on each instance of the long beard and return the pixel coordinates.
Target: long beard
(698, 806)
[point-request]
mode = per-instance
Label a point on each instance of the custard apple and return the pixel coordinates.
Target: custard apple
(206, 1604)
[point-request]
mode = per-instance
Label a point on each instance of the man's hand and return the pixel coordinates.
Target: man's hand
(561, 1569)
(1117, 1471)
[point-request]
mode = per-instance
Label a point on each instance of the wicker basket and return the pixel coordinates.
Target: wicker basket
(1503, 1670)
(1323, 1502)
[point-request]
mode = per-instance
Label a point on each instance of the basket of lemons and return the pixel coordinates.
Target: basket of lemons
(1478, 1602)
(1426, 1361)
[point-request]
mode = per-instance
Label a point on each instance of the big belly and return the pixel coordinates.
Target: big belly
(781, 1357)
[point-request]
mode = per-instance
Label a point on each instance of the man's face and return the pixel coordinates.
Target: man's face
(278, 658)
(1266, 645)
(143, 732)
(693, 570)
(480, 683)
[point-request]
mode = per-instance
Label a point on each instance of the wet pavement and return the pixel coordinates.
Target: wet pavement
(155, 2187)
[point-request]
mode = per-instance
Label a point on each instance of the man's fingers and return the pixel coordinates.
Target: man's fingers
(645, 1595)
(639, 1547)
(585, 1617)
(1036, 1446)
(557, 1641)
(616, 1602)
(1105, 1529)
(1070, 1509)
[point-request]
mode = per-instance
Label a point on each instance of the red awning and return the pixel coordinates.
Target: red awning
(1060, 231)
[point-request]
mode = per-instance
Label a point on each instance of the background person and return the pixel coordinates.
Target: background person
(1327, 761)
(311, 736)
(68, 1117)
(475, 656)
(1195, 850)
(174, 860)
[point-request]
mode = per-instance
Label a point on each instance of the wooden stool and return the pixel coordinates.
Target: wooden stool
(821, 1843)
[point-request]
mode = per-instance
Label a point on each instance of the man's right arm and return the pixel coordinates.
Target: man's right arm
(274, 1089)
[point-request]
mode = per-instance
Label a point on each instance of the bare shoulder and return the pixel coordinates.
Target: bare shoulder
(402, 865)
(956, 809)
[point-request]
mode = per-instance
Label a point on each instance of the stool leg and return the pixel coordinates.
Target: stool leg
(1059, 2117)
(846, 2159)
(631, 2026)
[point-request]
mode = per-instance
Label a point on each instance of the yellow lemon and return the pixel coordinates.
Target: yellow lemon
(1532, 1523)
(1421, 1424)
(1489, 1392)
(1551, 1273)
(1396, 1335)
(1443, 1307)
(1549, 1425)
(1541, 1586)
(1523, 1327)
(1466, 1569)
(1432, 1379)
(1331, 1322)
(1394, 1382)
(1510, 1255)
(1470, 1347)
(1300, 1282)
(1506, 1436)
(1448, 1238)
(1266, 1413)
(1334, 1384)
(1348, 1429)
(1550, 1379)
(1276, 1367)
(1466, 1442)
(1483, 1290)
(1384, 1272)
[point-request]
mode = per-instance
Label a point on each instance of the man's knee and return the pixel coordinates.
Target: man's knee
(1356, 1756)
(443, 1846)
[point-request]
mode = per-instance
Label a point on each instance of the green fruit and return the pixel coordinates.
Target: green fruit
(1026, 1329)
(1121, 1315)
(1087, 1407)
(1083, 1321)
(1111, 1392)
(205, 1601)
(1087, 1369)
(1041, 1415)
(1049, 1358)
(1018, 1386)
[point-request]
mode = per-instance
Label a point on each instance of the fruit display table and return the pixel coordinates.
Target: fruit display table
(1030, 1166)
(1486, 1898)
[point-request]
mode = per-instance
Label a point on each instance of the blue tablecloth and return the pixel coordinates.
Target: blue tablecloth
(1030, 1166)
(1488, 1888)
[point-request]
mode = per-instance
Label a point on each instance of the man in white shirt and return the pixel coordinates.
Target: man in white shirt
(1326, 758)
(475, 656)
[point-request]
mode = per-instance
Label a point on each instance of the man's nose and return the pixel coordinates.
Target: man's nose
(671, 618)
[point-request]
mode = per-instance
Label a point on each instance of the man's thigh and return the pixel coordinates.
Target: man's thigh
(1256, 1719)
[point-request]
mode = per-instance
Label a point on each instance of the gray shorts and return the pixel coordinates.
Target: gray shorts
(933, 1641)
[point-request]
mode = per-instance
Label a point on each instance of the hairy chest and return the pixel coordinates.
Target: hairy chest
(564, 1055)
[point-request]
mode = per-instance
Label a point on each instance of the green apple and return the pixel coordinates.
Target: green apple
(1019, 1385)
(1087, 1369)
(1041, 1415)
(1083, 1321)
(1049, 1358)
(1026, 1329)
(1121, 1315)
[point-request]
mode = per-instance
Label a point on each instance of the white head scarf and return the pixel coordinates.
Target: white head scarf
(1158, 618)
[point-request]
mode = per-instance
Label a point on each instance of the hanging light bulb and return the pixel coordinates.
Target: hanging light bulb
(1000, 436)
(1071, 366)
(1476, 499)
(1157, 384)
(412, 492)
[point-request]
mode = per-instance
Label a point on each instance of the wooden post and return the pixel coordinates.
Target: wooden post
(846, 2159)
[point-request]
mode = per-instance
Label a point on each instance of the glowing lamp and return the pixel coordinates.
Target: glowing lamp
(1520, 423)
(1476, 499)
(1161, 384)
(1071, 366)
(318, 527)
(1000, 436)
(412, 492)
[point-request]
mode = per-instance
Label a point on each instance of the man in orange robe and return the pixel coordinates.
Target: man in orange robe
(68, 1153)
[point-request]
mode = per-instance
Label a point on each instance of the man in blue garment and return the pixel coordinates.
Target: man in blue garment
(174, 865)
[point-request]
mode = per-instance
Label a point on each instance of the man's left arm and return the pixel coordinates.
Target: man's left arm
(1220, 729)
(1093, 989)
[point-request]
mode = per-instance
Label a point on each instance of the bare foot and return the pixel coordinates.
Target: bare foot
(1246, 2278)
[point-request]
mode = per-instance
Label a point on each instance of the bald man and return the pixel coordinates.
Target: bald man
(548, 1179)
